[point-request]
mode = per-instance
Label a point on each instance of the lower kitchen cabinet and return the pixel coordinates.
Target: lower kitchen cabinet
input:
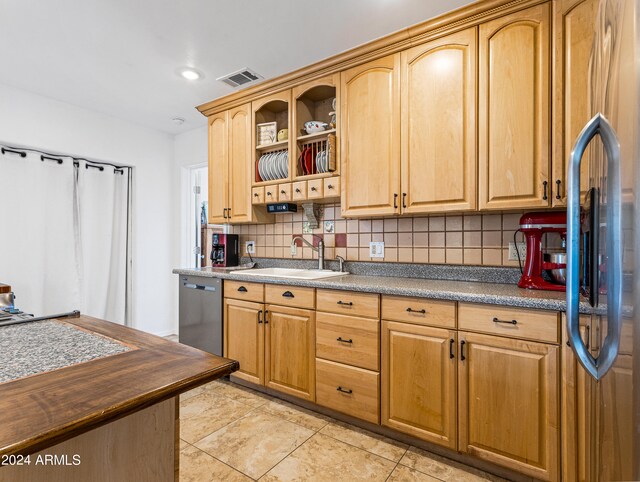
(419, 381)
(274, 344)
(244, 338)
(508, 403)
(290, 350)
(348, 389)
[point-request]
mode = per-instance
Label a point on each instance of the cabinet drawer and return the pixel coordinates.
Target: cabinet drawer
(349, 390)
(497, 320)
(257, 195)
(284, 192)
(347, 339)
(271, 194)
(290, 296)
(419, 310)
(241, 290)
(299, 190)
(331, 186)
(315, 189)
(349, 303)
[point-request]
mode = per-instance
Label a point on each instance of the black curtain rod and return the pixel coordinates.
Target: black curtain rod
(22, 152)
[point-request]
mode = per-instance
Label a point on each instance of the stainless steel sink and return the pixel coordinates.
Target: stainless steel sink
(291, 273)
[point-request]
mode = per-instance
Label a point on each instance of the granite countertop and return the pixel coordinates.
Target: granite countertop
(26, 348)
(472, 291)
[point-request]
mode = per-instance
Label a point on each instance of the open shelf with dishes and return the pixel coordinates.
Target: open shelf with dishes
(272, 145)
(315, 122)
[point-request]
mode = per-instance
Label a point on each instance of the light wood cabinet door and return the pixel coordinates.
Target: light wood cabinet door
(218, 167)
(290, 340)
(244, 338)
(438, 128)
(419, 382)
(574, 32)
(514, 110)
(240, 206)
(509, 403)
(577, 409)
(370, 139)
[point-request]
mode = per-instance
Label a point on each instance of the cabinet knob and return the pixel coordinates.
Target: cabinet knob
(330, 186)
(282, 191)
(313, 188)
(268, 193)
(298, 190)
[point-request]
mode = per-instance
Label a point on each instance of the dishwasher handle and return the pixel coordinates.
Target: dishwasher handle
(199, 287)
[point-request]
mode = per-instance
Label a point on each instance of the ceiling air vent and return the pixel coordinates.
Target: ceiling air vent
(241, 77)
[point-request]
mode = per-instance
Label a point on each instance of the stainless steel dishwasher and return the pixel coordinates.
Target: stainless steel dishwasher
(200, 313)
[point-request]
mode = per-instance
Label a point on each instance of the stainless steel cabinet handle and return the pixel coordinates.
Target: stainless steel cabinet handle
(596, 367)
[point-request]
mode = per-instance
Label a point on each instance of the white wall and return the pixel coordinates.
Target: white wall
(34, 121)
(190, 149)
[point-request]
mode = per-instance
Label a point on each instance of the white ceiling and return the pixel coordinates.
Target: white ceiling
(119, 57)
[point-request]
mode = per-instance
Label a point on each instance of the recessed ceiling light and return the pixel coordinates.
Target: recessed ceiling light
(190, 73)
(178, 121)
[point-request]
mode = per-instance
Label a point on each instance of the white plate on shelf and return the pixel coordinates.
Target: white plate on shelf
(261, 167)
(280, 164)
(267, 167)
(285, 165)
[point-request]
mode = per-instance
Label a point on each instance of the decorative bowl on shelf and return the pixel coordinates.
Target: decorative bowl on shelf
(315, 126)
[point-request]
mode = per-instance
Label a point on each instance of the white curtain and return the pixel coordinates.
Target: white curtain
(65, 235)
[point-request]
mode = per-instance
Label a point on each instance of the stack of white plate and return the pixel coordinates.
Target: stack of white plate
(322, 162)
(273, 165)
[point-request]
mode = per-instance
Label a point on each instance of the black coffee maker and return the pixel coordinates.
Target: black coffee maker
(225, 250)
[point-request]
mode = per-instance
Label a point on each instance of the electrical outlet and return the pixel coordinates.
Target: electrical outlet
(522, 249)
(250, 247)
(376, 250)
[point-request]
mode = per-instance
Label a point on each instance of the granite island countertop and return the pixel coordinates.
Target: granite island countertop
(125, 371)
(471, 291)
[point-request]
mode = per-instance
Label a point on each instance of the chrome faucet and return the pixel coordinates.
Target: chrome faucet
(340, 260)
(319, 249)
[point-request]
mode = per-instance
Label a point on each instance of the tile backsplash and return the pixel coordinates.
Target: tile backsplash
(475, 239)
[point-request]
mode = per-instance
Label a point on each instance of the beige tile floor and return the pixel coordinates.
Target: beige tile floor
(231, 433)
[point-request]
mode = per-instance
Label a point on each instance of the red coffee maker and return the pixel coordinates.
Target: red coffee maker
(534, 226)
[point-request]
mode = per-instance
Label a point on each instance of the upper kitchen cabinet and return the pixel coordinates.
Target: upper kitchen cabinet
(230, 168)
(370, 138)
(271, 120)
(218, 167)
(574, 21)
(514, 113)
(438, 127)
(315, 110)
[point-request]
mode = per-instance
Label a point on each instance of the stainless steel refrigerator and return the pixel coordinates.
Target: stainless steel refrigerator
(602, 252)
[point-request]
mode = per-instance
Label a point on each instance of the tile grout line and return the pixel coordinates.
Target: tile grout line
(289, 454)
(365, 450)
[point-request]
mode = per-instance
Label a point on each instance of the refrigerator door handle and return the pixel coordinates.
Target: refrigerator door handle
(596, 367)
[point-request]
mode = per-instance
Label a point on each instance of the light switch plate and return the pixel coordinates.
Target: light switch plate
(376, 250)
(250, 247)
